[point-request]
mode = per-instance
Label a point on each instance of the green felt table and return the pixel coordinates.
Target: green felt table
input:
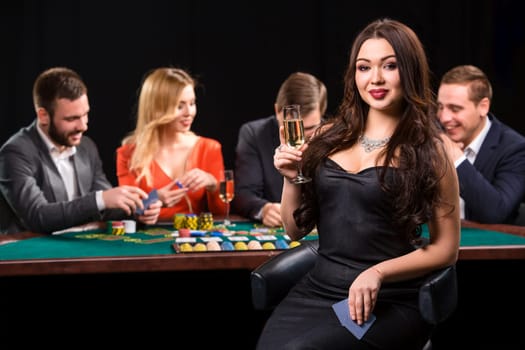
(155, 240)
(152, 248)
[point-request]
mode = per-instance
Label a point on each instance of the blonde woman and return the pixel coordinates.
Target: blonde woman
(163, 153)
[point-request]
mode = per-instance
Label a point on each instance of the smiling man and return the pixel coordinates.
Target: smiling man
(51, 176)
(489, 156)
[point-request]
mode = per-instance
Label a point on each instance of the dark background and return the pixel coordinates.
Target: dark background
(240, 51)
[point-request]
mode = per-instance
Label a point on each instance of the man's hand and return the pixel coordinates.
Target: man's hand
(127, 198)
(271, 215)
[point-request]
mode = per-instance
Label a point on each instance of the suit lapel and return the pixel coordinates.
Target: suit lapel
(55, 181)
(83, 172)
(489, 145)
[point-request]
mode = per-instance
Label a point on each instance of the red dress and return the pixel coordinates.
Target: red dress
(206, 155)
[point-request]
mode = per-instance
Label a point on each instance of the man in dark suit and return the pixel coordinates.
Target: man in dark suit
(51, 177)
(489, 156)
(258, 185)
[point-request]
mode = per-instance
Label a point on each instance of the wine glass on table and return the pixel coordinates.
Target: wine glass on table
(226, 193)
(294, 135)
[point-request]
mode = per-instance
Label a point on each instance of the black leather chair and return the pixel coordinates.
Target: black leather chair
(520, 219)
(272, 280)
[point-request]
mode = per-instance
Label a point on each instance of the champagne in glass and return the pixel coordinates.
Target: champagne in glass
(294, 135)
(226, 193)
(294, 132)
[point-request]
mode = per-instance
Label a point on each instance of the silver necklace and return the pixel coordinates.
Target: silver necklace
(370, 144)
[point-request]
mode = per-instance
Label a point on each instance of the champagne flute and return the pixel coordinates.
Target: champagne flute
(226, 193)
(294, 135)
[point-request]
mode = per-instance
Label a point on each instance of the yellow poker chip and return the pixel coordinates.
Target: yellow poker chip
(191, 222)
(186, 247)
(179, 220)
(118, 231)
(241, 246)
(268, 246)
(294, 244)
(116, 227)
(200, 247)
(205, 221)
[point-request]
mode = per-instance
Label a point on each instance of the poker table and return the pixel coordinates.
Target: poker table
(127, 289)
(91, 249)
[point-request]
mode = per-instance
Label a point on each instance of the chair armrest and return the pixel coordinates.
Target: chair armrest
(272, 280)
(438, 296)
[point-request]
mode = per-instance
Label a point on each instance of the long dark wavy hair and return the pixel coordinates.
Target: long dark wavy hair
(415, 148)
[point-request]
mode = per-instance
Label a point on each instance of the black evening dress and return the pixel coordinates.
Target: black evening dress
(355, 232)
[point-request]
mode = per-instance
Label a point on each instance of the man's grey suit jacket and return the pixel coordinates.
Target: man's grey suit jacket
(33, 195)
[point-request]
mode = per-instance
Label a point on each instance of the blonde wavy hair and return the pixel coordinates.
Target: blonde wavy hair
(159, 95)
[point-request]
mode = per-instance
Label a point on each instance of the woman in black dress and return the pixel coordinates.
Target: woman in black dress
(379, 173)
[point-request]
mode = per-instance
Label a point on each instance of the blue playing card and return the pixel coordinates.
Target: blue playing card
(152, 197)
(343, 313)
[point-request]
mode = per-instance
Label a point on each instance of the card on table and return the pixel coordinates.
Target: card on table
(343, 313)
(152, 197)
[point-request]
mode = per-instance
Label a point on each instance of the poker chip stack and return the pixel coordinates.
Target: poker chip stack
(191, 222)
(116, 227)
(205, 221)
(179, 221)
